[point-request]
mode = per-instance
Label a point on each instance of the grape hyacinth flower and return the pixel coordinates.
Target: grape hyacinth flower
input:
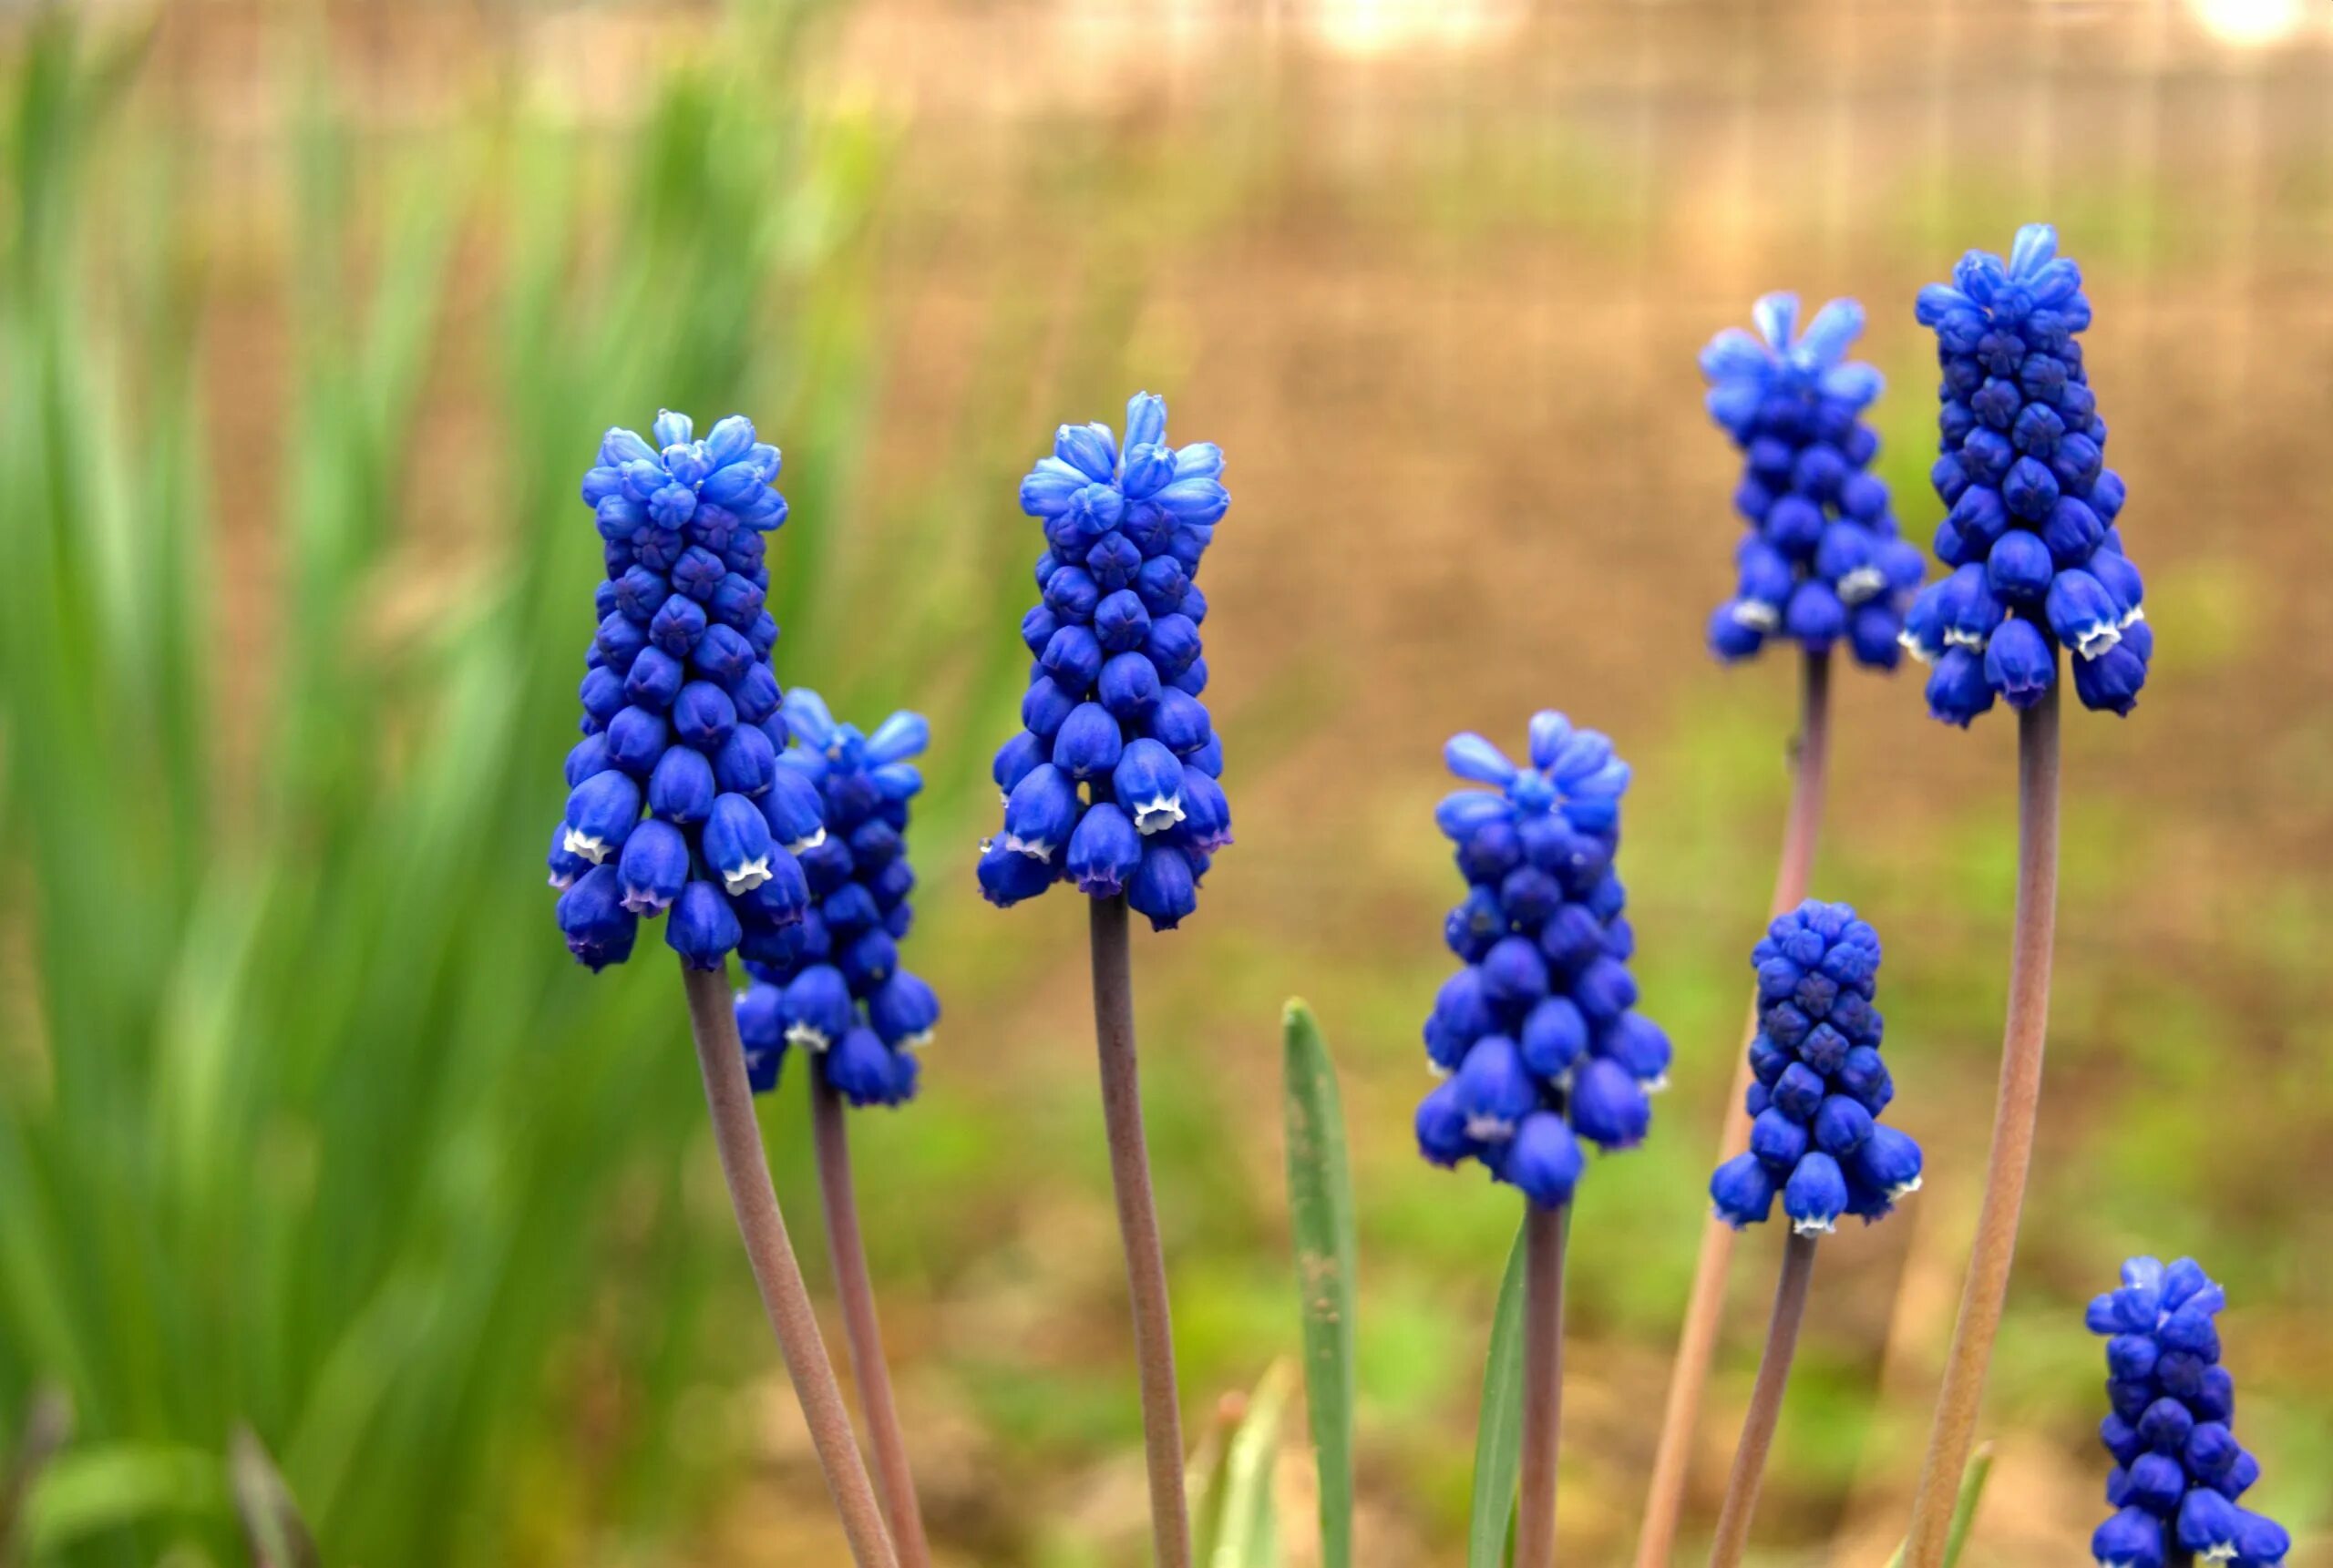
(1537, 1033)
(1537, 1036)
(832, 983)
(670, 806)
(677, 804)
(1815, 1141)
(1112, 781)
(2031, 538)
(1822, 561)
(2178, 1469)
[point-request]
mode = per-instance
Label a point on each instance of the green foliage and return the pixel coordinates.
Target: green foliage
(1320, 1204)
(1499, 1439)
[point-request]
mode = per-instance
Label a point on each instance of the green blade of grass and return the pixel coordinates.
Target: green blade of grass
(1498, 1437)
(1249, 1535)
(1964, 1507)
(1320, 1204)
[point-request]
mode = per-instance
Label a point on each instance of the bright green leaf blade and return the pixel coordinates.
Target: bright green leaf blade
(1319, 1205)
(89, 1490)
(1249, 1535)
(1499, 1439)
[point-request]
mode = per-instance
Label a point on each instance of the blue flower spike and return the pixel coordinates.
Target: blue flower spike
(832, 983)
(1112, 783)
(1535, 1037)
(679, 706)
(1816, 1140)
(1823, 561)
(2029, 537)
(2178, 1469)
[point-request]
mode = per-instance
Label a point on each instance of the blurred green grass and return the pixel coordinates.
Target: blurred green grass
(306, 1120)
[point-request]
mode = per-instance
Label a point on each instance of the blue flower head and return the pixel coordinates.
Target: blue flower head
(672, 804)
(2029, 537)
(1536, 1036)
(1816, 1140)
(1823, 561)
(1111, 784)
(832, 984)
(2178, 1469)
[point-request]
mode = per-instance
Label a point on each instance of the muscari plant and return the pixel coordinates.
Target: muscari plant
(786, 847)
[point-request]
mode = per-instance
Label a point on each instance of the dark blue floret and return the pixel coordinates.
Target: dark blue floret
(1814, 1139)
(2028, 534)
(1111, 784)
(834, 986)
(2178, 1469)
(1822, 561)
(680, 707)
(1536, 1036)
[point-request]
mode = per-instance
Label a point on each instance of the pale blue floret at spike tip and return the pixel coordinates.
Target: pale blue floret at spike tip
(1535, 1037)
(2030, 536)
(681, 718)
(1112, 782)
(1819, 1083)
(832, 985)
(2178, 1470)
(1823, 561)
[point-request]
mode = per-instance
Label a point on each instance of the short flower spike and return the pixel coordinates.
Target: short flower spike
(2030, 538)
(1823, 561)
(832, 983)
(2178, 1469)
(680, 708)
(1815, 1141)
(1111, 784)
(1536, 1036)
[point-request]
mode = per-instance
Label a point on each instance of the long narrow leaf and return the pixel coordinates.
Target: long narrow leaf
(1498, 1438)
(1248, 1536)
(278, 1537)
(1319, 1206)
(1964, 1507)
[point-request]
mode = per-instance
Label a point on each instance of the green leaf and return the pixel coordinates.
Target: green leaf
(89, 1491)
(1319, 1205)
(1249, 1535)
(1499, 1439)
(1964, 1507)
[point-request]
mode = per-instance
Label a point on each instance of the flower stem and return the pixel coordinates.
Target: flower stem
(1766, 1403)
(2014, 1115)
(1154, 1336)
(1545, 1233)
(713, 1019)
(862, 1330)
(1697, 1341)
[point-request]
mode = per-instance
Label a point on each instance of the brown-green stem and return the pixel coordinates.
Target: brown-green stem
(1697, 1341)
(713, 1020)
(1545, 1233)
(1766, 1403)
(1154, 1334)
(2015, 1114)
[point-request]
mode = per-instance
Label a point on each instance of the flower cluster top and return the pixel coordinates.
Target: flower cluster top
(1814, 1136)
(834, 985)
(2029, 539)
(1822, 560)
(680, 708)
(1536, 1034)
(2178, 1469)
(1111, 783)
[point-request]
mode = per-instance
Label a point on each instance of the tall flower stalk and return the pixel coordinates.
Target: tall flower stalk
(1111, 786)
(681, 718)
(1823, 562)
(1818, 1086)
(860, 1018)
(1536, 1034)
(2037, 564)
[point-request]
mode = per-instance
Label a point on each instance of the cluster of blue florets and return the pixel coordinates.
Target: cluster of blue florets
(1822, 560)
(2029, 540)
(681, 710)
(838, 991)
(1537, 1035)
(1111, 783)
(2178, 1469)
(1814, 1135)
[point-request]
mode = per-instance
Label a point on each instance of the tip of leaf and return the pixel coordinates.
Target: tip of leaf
(1294, 1010)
